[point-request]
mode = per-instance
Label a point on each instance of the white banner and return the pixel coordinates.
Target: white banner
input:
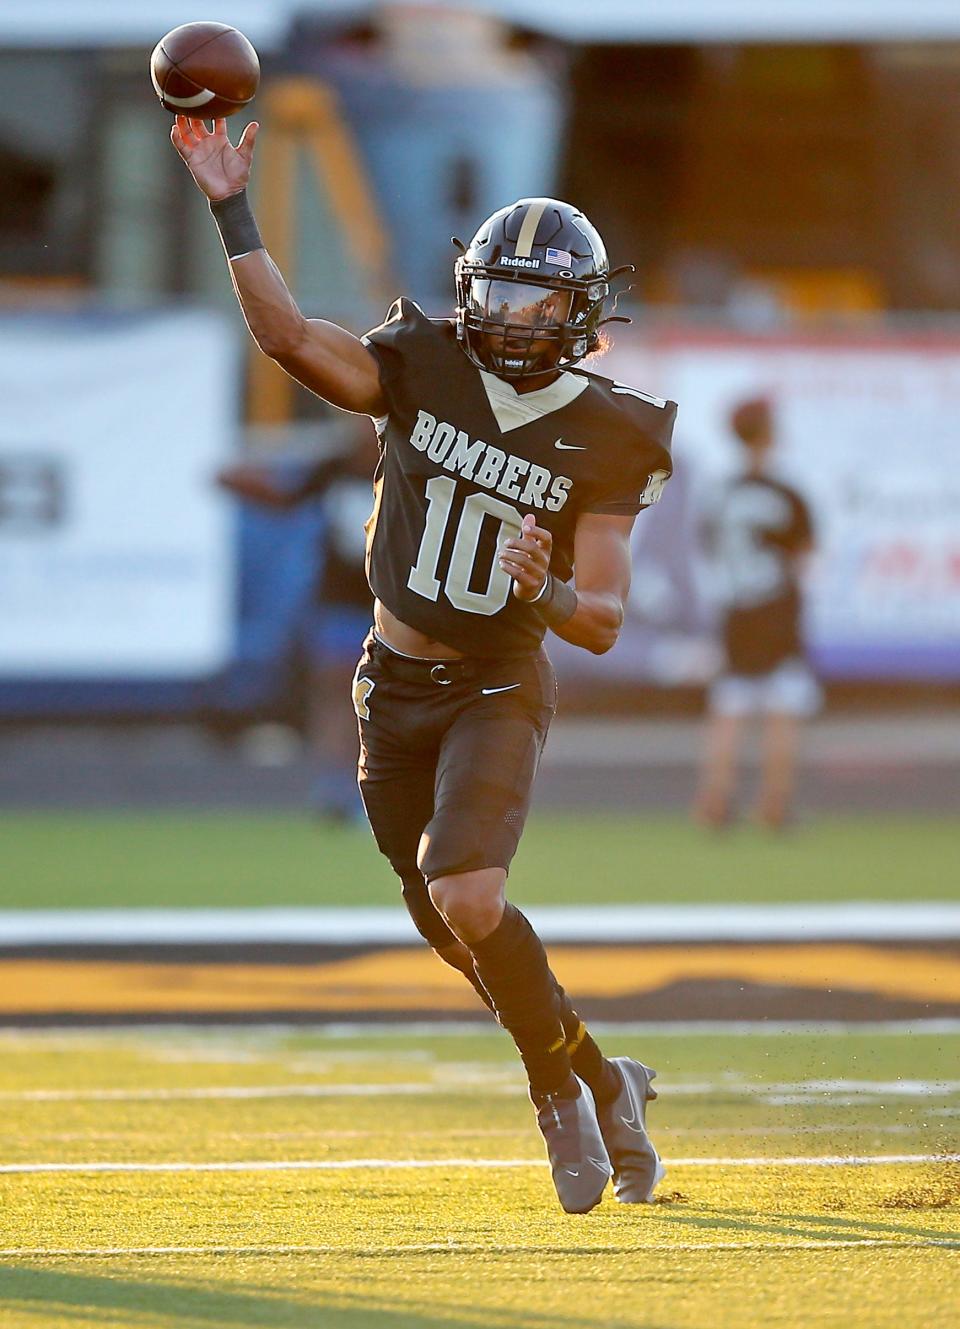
(116, 558)
(868, 430)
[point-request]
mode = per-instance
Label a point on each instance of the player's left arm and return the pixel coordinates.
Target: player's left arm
(589, 613)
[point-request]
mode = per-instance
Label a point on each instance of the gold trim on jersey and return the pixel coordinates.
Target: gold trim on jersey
(513, 409)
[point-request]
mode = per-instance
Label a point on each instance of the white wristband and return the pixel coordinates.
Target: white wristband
(542, 591)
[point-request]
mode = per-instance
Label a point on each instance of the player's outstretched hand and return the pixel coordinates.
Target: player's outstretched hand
(219, 168)
(527, 558)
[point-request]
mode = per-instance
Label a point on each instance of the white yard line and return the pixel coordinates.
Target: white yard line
(59, 1037)
(781, 1093)
(429, 1164)
(473, 1248)
(249, 1092)
(794, 1132)
(858, 921)
(776, 1029)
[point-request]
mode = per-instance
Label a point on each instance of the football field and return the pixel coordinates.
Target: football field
(394, 1179)
(61, 859)
(389, 1175)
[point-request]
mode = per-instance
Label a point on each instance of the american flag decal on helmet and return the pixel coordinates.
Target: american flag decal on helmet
(561, 257)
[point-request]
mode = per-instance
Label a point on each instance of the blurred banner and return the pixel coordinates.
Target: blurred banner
(867, 432)
(116, 556)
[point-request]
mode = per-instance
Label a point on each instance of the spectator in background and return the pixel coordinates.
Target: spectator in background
(758, 536)
(342, 604)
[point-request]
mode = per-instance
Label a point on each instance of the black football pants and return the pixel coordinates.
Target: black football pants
(448, 753)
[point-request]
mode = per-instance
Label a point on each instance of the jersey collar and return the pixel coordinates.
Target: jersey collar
(512, 409)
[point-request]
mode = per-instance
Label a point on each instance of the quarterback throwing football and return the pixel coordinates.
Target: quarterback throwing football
(508, 482)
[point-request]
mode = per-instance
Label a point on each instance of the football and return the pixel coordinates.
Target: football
(207, 70)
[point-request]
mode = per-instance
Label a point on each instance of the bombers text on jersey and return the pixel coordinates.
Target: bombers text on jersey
(454, 482)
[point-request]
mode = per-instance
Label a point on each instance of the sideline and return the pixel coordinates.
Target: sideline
(598, 924)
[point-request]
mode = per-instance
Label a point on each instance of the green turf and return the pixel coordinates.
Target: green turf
(385, 1248)
(78, 860)
(764, 1098)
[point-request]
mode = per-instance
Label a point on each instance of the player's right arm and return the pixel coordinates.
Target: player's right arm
(325, 358)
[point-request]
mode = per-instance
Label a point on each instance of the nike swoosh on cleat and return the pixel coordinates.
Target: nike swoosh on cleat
(568, 447)
(597, 1163)
(488, 692)
(633, 1122)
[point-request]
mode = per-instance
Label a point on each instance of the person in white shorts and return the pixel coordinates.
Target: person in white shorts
(760, 534)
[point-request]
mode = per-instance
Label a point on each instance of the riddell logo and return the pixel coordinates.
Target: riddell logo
(519, 262)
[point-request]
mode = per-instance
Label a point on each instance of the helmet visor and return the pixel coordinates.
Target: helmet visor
(518, 303)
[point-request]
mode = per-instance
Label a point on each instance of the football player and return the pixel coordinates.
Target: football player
(503, 466)
(760, 533)
(339, 612)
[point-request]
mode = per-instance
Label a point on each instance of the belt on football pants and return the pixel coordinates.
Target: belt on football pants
(411, 669)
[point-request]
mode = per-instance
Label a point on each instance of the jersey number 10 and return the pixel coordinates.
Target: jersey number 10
(423, 575)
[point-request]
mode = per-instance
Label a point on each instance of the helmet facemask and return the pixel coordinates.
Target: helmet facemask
(519, 328)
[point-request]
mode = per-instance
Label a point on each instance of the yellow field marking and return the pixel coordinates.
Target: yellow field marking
(917, 974)
(411, 979)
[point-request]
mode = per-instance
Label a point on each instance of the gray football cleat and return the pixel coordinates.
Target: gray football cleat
(578, 1157)
(637, 1169)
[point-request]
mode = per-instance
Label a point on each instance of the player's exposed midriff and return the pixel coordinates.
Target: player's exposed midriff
(407, 640)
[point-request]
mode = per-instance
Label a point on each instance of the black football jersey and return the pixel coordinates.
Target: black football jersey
(452, 485)
(759, 526)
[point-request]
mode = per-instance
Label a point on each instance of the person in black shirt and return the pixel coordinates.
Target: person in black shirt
(759, 535)
(503, 465)
(342, 603)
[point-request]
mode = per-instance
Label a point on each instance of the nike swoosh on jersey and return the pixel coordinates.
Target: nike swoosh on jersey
(568, 447)
(488, 692)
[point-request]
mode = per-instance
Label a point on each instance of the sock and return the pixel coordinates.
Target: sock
(569, 1089)
(511, 966)
(587, 1060)
(451, 955)
(473, 978)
